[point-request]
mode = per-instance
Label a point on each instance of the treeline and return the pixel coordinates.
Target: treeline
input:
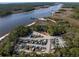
(72, 43)
(5, 13)
(6, 9)
(22, 5)
(54, 29)
(8, 44)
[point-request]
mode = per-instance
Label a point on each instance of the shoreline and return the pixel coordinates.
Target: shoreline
(4, 36)
(28, 24)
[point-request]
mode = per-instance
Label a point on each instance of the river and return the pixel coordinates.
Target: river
(9, 22)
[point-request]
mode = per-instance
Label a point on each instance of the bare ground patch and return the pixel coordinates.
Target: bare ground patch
(66, 15)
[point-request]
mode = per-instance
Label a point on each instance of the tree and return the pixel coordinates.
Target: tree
(74, 52)
(60, 28)
(7, 48)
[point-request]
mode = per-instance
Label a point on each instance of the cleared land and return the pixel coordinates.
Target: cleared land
(66, 15)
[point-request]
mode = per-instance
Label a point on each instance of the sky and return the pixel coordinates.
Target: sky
(14, 1)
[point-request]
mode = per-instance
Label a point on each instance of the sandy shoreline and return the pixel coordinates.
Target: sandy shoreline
(4, 36)
(8, 33)
(58, 7)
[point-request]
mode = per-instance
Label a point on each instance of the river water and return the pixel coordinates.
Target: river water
(8, 23)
